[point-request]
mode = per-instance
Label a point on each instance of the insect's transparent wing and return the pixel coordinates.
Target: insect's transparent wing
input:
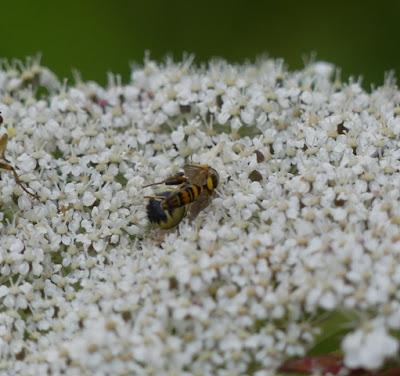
(196, 174)
(200, 204)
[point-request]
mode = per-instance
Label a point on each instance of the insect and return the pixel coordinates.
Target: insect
(195, 187)
(5, 165)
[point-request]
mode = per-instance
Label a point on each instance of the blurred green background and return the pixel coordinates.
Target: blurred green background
(99, 36)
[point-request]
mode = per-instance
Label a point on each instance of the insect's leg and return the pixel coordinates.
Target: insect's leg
(8, 167)
(3, 145)
(177, 179)
(155, 197)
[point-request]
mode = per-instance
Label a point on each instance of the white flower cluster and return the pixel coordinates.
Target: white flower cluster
(306, 220)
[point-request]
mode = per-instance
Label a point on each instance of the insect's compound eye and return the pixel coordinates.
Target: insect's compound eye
(212, 181)
(210, 184)
(216, 179)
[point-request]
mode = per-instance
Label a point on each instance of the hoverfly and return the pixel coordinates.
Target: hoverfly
(5, 165)
(195, 187)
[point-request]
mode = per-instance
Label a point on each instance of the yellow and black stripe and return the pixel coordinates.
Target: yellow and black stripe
(182, 197)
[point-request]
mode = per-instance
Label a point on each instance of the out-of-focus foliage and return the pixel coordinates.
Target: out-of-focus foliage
(95, 37)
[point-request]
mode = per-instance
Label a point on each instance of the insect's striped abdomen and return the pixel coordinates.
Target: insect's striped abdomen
(182, 197)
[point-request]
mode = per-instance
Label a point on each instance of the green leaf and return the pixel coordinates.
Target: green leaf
(121, 179)
(333, 329)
